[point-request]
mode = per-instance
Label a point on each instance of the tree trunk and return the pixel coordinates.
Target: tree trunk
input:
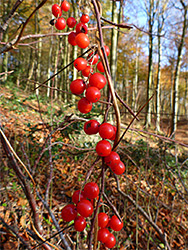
(30, 69)
(114, 36)
(150, 77)
(38, 67)
(5, 59)
(38, 51)
(55, 80)
(177, 73)
(186, 97)
(65, 72)
(135, 82)
(158, 86)
(75, 53)
(4, 67)
(125, 85)
(49, 67)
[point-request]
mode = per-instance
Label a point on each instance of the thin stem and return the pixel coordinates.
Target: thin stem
(103, 56)
(132, 121)
(90, 235)
(64, 68)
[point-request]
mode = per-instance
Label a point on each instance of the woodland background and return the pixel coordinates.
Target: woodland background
(45, 129)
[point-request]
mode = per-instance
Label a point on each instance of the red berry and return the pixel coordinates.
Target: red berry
(112, 159)
(60, 23)
(77, 86)
(100, 67)
(106, 130)
(93, 94)
(107, 50)
(56, 10)
(91, 127)
(81, 28)
(79, 223)
(77, 196)
(85, 208)
(84, 18)
(93, 58)
(65, 6)
(97, 80)
(114, 136)
(84, 106)
(115, 223)
(80, 63)
(103, 148)
(87, 71)
(118, 168)
(72, 38)
(103, 220)
(111, 241)
(91, 190)
(103, 235)
(69, 212)
(71, 22)
(82, 40)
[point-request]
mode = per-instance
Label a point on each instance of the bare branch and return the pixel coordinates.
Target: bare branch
(11, 45)
(7, 20)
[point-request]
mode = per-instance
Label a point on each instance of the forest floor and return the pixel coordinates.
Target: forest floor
(151, 178)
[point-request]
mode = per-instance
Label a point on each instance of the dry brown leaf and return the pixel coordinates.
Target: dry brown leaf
(21, 201)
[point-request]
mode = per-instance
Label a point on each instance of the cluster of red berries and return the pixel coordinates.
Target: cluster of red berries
(79, 37)
(83, 209)
(84, 200)
(57, 11)
(97, 81)
(104, 235)
(103, 147)
(92, 90)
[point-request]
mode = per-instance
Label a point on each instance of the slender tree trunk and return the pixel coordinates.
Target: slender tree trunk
(152, 8)
(125, 85)
(75, 54)
(5, 58)
(172, 83)
(150, 77)
(158, 86)
(38, 51)
(158, 90)
(177, 73)
(68, 70)
(49, 67)
(4, 67)
(65, 72)
(114, 37)
(186, 97)
(30, 69)
(38, 67)
(56, 80)
(135, 82)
